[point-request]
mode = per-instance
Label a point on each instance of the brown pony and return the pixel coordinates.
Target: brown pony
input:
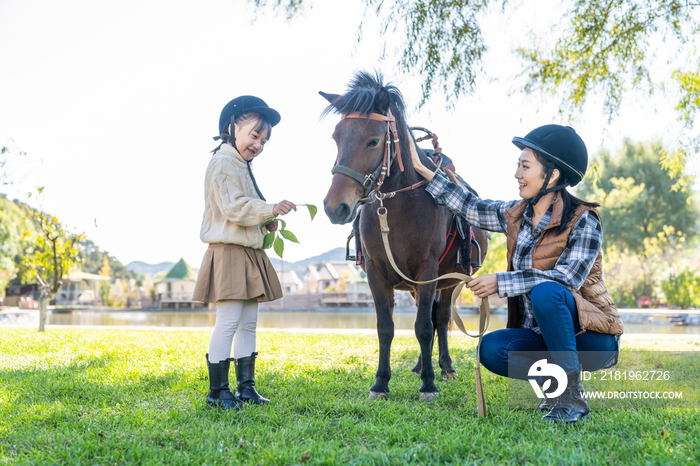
(418, 225)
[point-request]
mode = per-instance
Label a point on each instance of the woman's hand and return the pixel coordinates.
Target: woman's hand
(417, 164)
(484, 285)
(283, 208)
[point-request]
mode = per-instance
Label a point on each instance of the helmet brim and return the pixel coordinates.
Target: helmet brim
(270, 113)
(522, 143)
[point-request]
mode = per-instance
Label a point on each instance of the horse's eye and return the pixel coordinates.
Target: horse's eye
(373, 143)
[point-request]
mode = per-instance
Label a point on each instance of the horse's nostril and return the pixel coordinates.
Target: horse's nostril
(343, 210)
(338, 214)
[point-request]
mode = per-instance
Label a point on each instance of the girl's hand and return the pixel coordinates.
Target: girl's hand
(417, 164)
(283, 208)
(272, 226)
(484, 285)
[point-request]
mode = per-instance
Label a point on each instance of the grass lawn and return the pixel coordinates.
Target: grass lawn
(90, 396)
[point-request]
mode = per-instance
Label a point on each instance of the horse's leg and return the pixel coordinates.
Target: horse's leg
(419, 365)
(424, 334)
(384, 306)
(416, 369)
(442, 324)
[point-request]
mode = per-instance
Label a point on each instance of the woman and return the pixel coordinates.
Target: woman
(557, 301)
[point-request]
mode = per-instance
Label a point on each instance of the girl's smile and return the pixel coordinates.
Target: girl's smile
(249, 142)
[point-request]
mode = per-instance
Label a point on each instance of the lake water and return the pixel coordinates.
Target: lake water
(301, 320)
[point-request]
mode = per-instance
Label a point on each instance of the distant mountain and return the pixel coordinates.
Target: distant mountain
(152, 269)
(334, 255)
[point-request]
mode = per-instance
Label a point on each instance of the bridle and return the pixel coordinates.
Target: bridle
(382, 171)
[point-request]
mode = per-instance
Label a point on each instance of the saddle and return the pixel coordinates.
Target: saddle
(458, 228)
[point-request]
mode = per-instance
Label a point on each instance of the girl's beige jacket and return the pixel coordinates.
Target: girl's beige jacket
(233, 212)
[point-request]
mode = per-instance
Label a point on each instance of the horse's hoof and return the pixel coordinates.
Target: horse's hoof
(428, 397)
(415, 373)
(448, 375)
(377, 395)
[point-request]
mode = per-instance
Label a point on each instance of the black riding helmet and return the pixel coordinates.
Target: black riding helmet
(246, 104)
(239, 106)
(562, 146)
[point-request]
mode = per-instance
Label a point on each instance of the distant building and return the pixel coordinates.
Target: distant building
(175, 288)
(19, 295)
(328, 275)
(290, 281)
(72, 291)
(77, 288)
(358, 286)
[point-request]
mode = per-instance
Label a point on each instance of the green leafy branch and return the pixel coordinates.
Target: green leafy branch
(275, 238)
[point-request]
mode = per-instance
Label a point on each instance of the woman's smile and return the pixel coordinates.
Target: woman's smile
(529, 174)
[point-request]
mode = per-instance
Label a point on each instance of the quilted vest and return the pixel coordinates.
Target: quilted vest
(596, 311)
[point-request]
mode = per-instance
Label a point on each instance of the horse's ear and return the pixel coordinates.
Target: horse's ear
(331, 98)
(382, 101)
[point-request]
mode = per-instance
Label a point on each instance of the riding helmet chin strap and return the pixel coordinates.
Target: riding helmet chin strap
(544, 191)
(218, 138)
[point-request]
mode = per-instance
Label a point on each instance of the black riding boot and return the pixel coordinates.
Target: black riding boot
(219, 392)
(570, 407)
(245, 376)
(548, 403)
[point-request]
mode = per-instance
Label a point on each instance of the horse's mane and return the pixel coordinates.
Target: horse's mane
(359, 97)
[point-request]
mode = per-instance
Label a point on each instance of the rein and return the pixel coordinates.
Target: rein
(384, 169)
(484, 309)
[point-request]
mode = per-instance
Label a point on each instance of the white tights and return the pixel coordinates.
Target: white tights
(236, 320)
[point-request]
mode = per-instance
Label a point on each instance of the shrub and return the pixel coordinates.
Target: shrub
(682, 289)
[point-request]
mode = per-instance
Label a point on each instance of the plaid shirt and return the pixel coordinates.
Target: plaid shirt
(572, 267)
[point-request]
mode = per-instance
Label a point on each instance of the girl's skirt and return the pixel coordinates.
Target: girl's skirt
(231, 271)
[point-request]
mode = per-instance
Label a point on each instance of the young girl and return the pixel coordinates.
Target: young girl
(236, 273)
(557, 300)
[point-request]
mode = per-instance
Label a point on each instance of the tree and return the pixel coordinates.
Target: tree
(611, 46)
(11, 219)
(96, 261)
(600, 46)
(49, 253)
(682, 289)
(647, 224)
(3, 162)
(637, 196)
(6, 154)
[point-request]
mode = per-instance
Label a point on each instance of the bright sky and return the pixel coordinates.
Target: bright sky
(116, 103)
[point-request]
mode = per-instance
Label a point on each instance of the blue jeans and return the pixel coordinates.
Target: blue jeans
(557, 317)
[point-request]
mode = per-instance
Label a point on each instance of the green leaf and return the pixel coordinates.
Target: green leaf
(282, 224)
(269, 238)
(279, 246)
(312, 210)
(289, 235)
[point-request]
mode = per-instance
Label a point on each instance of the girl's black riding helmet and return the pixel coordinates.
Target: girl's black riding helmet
(562, 146)
(239, 106)
(245, 104)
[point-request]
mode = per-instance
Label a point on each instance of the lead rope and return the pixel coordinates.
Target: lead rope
(484, 309)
